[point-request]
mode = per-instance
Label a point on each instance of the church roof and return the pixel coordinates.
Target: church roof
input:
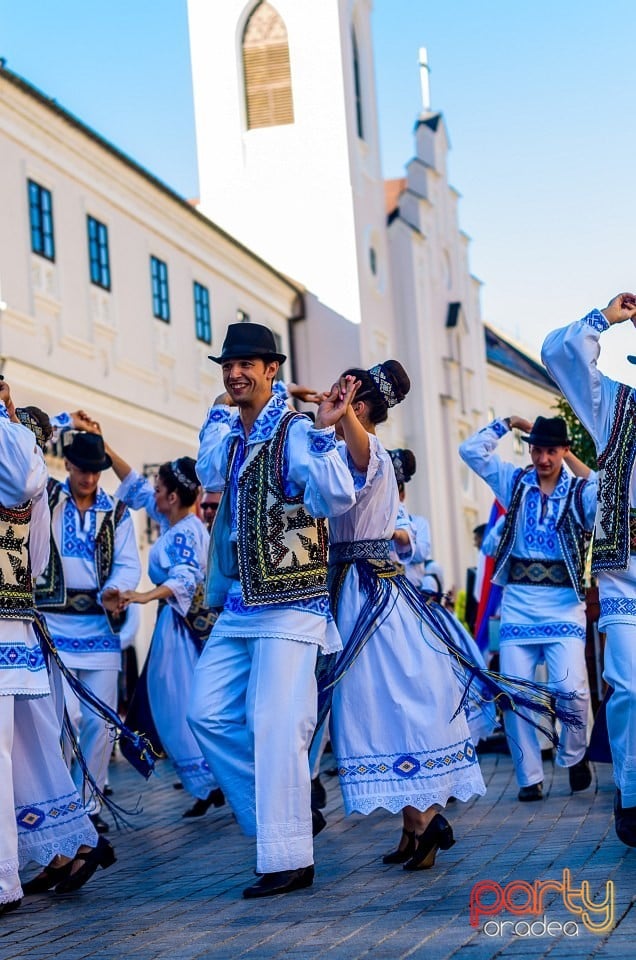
(49, 103)
(392, 191)
(432, 121)
(502, 353)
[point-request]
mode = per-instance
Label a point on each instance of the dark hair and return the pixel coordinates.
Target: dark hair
(187, 493)
(408, 464)
(480, 530)
(399, 382)
(38, 421)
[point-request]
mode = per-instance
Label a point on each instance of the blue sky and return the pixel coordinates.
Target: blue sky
(538, 99)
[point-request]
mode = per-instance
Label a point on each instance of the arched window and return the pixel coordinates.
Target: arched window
(268, 88)
(357, 86)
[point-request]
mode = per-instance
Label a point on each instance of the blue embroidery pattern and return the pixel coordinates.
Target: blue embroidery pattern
(318, 605)
(191, 766)
(219, 415)
(105, 644)
(3, 412)
(76, 542)
(265, 423)
(321, 441)
(546, 631)
(405, 765)
(618, 606)
(61, 420)
(17, 656)
(499, 428)
(180, 549)
(36, 815)
(596, 320)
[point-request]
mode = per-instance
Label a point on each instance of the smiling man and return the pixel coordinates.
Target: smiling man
(540, 564)
(254, 699)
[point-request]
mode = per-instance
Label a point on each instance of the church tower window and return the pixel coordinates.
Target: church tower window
(357, 85)
(266, 69)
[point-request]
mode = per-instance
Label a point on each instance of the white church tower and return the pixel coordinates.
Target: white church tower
(288, 147)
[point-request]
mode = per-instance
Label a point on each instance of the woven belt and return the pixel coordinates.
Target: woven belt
(538, 573)
(360, 550)
(632, 530)
(82, 602)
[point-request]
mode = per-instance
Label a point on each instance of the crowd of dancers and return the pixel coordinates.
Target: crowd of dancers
(312, 606)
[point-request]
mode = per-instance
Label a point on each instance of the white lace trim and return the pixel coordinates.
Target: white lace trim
(42, 852)
(421, 801)
(24, 692)
(9, 872)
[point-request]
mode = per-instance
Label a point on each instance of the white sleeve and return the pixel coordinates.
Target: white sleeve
(126, 570)
(422, 536)
(23, 473)
(315, 465)
(40, 535)
(138, 493)
(478, 452)
(213, 448)
(571, 357)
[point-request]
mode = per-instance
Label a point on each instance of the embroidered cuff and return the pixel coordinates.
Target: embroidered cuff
(499, 427)
(3, 411)
(596, 320)
(219, 414)
(321, 441)
(61, 420)
(279, 389)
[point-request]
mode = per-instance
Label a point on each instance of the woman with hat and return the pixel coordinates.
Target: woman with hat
(176, 565)
(540, 564)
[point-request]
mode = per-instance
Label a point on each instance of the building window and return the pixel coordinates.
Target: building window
(99, 262)
(266, 69)
(202, 313)
(160, 297)
(41, 218)
(373, 261)
(357, 86)
(242, 317)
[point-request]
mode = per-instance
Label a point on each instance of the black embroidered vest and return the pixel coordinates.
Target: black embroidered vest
(611, 548)
(16, 582)
(573, 538)
(50, 591)
(282, 549)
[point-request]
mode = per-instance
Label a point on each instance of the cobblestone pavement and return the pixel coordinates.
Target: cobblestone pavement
(175, 891)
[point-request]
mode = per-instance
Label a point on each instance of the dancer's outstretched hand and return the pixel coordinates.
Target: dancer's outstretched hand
(622, 307)
(335, 404)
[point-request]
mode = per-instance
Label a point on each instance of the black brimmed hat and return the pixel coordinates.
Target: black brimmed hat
(86, 451)
(249, 340)
(549, 432)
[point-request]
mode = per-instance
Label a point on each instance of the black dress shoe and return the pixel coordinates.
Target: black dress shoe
(318, 822)
(102, 855)
(580, 775)
(8, 907)
(46, 879)
(216, 798)
(624, 821)
(108, 790)
(318, 794)
(437, 836)
(531, 793)
(284, 881)
(404, 850)
(100, 825)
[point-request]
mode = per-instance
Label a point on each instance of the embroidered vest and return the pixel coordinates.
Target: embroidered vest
(282, 549)
(573, 538)
(51, 594)
(16, 583)
(611, 548)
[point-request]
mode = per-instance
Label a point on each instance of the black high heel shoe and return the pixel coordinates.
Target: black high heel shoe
(102, 856)
(437, 836)
(402, 853)
(46, 879)
(216, 798)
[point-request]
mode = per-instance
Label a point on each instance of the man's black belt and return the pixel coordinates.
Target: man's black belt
(538, 573)
(360, 550)
(81, 602)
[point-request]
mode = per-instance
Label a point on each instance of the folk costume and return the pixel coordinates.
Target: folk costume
(540, 565)
(91, 551)
(253, 707)
(608, 411)
(176, 560)
(22, 667)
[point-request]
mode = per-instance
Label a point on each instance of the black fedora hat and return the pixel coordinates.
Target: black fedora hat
(85, 450)
(248, 340)
(549, 432)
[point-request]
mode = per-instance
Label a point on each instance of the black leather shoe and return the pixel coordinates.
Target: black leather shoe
(8, 907)
(404, 850)
(284, 881)
(624, 821)
(437, 836)
(102, 856)
(46, 879)
(531, 793)
(318, 794)
(100, 825)
(318, 822)
(216, 798)
(580, 775)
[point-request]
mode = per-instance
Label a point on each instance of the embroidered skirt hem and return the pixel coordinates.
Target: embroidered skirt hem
(470, 786)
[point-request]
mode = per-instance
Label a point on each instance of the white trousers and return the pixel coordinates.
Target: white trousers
(567, 672)
(10, 888)
(620, 672)
(91, 729)
(253, 712)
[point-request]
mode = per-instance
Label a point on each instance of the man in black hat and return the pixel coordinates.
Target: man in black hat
(540, 563)
(93, 557)
(607, 409)
(253, 705)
